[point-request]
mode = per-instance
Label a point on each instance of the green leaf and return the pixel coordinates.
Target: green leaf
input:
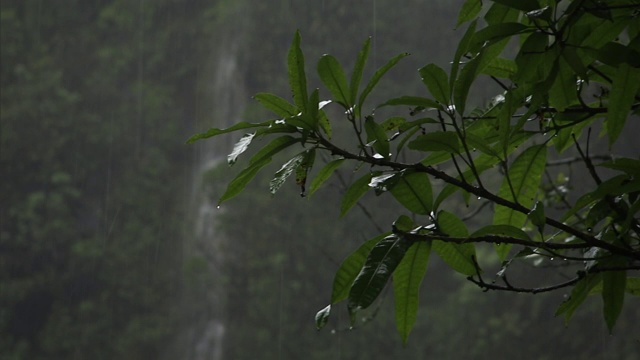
(322, 317)
(380, 264)
(623, 91)
(458, 256)
(412, 101)
(633, 286)
(333, 78)
(354, 193)
(358, 68)
(462, 49)
(413, 191)
(302, 171)
(376, 137)
(297, 76)
(613, 289)
(257, 162)
(627, 165)
(239, 126)
(437, 141)
(350, 268)
(377, 76)
(524, 174)
(436, 81)
(617, 185)
(278, 105)
(406, 286)
(563, 92)
(285, 171)
(497, 32)
(469, 10)
(241, 146)
(501, 68)
(578, 296)
(324, 174)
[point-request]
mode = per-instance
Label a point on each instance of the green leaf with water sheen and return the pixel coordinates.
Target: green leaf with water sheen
(241, 146)
(350, 268)
(333, 77)
(297, 76)
(285, 171)
(406, 286)
(413, 191)
(354, 193)
(623, 92)
(257, 162)
(380, 264)
(437, 82)
(322, 317)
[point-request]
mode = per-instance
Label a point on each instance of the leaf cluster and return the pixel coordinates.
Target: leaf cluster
(575, 69)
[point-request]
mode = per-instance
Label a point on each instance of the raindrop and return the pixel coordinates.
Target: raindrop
(479, 197)
(589, 230)
(333, 331)
(551, 259)
(218, 207)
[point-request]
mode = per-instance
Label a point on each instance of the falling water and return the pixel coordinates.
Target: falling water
(221, 101)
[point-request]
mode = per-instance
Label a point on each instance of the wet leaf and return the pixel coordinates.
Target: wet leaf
(377, 76)
(380, 264)
(355, 192)
(406, 286)
(332, 76)
(322, 317)
(613, 289)
(413, 191)
(623, 91)
(324, 174)
(350, 268)
(436, 81)
(297, 76)
(241, 146)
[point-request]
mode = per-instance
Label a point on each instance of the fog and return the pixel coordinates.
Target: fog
(112, 243)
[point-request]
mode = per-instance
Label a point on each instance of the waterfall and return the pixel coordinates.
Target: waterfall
(221, 100)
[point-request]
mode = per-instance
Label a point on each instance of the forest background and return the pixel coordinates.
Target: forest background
(102, 248)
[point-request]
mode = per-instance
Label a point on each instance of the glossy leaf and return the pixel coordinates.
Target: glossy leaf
(413, 191)
(324, 174)
(297, 76)
(461, 50)
(436, 81)
(350, 268)
(322, 317)
(413, 101)
(257, 162)
(334, 79)
(623, 91)
(537, 217)
(627, 165)
(241, 146)
(380, 264)
(406, 286)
